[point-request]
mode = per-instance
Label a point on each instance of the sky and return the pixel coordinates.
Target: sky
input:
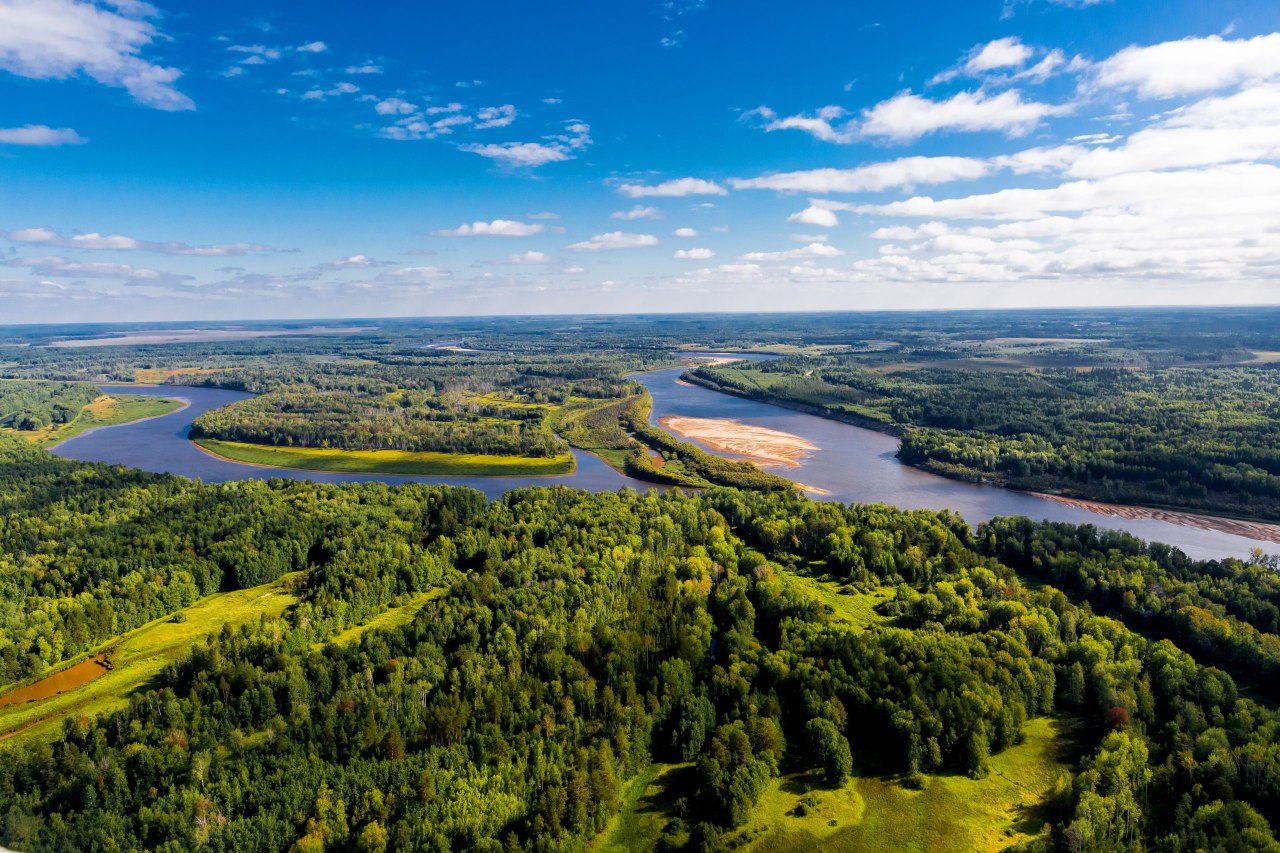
(190, 160)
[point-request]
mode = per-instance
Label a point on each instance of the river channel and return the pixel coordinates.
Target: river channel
(850, 463)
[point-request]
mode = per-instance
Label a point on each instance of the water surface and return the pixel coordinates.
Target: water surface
(851, 463)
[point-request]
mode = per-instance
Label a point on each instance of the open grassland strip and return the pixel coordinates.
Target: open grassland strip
(857, 609)
(141, 654)
(107, 410)
(404, 462)
(642, 817)
(392, 617)
(870, 815)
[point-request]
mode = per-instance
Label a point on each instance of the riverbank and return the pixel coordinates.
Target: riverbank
(397, 462)
(1237, 527)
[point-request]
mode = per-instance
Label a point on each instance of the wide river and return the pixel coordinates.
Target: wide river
(851, 463)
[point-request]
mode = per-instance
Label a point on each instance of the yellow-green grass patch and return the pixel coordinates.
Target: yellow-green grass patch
(642, 815)
(404, 462)
(138, 656)
(857, 609)
(107, 410)
(951, 813)
(392, 617)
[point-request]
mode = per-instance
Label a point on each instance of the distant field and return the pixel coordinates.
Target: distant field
(389, 461)
(141, 654)
(104, 411)
(856, 609)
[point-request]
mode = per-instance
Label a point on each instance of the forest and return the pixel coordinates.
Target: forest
(29, 406)
(581, 639)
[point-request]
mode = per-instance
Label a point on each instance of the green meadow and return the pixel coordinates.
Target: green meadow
(403, 462)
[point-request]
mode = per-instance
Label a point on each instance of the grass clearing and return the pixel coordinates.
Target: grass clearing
(642, 817)
(393, 617)
(107, 410)
(141, 654)
(870, 814)
(857, 609)
(389, 461)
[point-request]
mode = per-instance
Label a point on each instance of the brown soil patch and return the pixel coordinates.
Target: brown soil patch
(60, 682)
(765, 446)
(1250, 529)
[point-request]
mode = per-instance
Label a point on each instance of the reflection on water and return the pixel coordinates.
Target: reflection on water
(851, 463)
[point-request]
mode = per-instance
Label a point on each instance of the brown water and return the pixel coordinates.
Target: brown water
(60, 682)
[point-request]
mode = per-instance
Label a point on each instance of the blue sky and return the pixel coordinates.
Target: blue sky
(183, 160)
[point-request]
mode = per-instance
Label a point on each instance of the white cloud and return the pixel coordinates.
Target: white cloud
(40, 135)
(313, 47)
(95, 241)
(530, 154)
(874, 177)
(496, 228)
(907, 117)
(685, 232)
(557, 149)
(353, 262)
(530, 258)
(614, 240)
(64, 268)
(1192, 65)
(814, 215)
(1007, 52)
(489, 117)
(810, 238)
(678, 188)
(367, 68)
(413, 275)
(813, 250)
(637, 212)
(694, 254)
(394, 106)
(58, 39)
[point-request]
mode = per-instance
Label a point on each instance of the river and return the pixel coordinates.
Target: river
(851, 463)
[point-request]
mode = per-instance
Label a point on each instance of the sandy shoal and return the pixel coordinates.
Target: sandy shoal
(759, 444)
(1237, 527)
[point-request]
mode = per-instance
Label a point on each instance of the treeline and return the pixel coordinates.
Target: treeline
(29, 406)
(402, 420)
(581, 637)
(1194, 438)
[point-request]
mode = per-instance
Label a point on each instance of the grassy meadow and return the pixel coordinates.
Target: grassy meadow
(402, 462)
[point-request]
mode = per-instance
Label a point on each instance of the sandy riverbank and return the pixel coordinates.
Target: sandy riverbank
(1251, 529)
(758, 444)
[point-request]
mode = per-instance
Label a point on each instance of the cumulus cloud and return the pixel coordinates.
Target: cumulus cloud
(813, 250)
(59, 39)
(874, 177)
(95, 241)
(1007, 52)
(40, 135)
(1192, 65)
(530, 258)
(677, 188)
(685, 232)
(814, 215)
(58, 267)
(637, 212)
(907, 117)
(614, 240)
(496, 228)
(413, 275)
(694, 254)
(489, 117)
(556, 148)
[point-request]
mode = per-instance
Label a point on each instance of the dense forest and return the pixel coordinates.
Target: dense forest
(577, 639)
(30, 406)
(1202, 438)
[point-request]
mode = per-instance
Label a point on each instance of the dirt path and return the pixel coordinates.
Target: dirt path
(1234, 526)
